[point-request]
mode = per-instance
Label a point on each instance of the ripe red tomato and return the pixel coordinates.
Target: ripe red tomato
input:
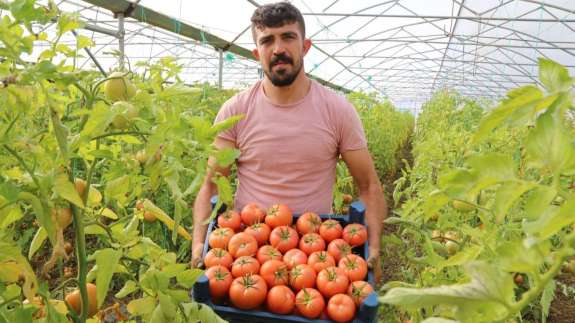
(251, 213)
(275, 272)
(320, 260)
(338, 248)
(309, 303)
(294, 257)
(218, 256)
(354, 267)
(230, 219)
(242, 244)
(248, 292)
(245, 265)
(268, 252)
(355, 234)
(260, 231)
(302, 276)
(220, 237)
(308, 222)
(330, 230)
(278, 215)
(311, 242)
(341, 308)
(331, 281)
(284, 238)
(358, 291)
(220, 281)
(280, 300)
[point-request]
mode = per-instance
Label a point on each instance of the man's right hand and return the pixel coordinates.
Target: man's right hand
(197, 260)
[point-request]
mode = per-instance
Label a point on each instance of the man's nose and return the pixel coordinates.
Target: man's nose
(279, 47)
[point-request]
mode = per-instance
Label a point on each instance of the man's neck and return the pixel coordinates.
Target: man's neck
(287, 94)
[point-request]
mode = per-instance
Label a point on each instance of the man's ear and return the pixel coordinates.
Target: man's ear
(256, 53)
(306, 45)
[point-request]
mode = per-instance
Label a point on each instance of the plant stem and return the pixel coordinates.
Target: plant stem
(121, 133)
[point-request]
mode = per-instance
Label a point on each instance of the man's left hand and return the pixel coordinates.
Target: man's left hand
(374, 263)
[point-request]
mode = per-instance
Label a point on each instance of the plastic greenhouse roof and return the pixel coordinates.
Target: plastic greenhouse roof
(402, 49)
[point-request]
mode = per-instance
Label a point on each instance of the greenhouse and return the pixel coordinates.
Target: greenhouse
(298, 161)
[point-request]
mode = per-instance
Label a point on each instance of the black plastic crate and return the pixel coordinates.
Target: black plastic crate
(367, 313)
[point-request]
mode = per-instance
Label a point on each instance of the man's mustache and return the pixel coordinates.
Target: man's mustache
(281, 58)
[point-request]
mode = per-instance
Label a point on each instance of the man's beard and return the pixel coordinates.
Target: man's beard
(282, 77)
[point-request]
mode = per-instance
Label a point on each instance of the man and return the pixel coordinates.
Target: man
(291, 136)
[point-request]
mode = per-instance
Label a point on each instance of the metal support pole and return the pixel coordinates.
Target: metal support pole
(220, 68)
(121, 34)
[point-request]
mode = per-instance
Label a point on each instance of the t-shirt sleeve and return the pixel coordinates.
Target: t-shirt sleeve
(352, 135)
(228, 109)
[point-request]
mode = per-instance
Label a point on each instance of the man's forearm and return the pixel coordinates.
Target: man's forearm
(375, 214)
(202, 211)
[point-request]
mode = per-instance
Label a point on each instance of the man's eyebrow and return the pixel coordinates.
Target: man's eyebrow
(289, 33)
(263, 38)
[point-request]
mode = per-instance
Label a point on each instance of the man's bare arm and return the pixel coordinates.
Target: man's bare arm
(361, 167)
(202, 205)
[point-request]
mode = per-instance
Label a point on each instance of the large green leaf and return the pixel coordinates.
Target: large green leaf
(67, 190)
(117, 188)
(188, 277)
(550, 144)
(486, 296)
(142, 306)
(554, 76)
(517, 98)
(465, 256)
(169, 309)
(516, 257)
(10, 256)
(546, 299)
(552, 221)
(226, 157)
(201, 313)
(507, 194)
(538, 201)
(106, 259)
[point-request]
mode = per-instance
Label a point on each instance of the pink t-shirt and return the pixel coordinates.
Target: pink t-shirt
(288, 153)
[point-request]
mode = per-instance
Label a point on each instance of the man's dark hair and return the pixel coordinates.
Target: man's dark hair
(273, 15)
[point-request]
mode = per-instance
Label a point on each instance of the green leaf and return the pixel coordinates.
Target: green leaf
(142, 306)
(155, 280)
(174, 269)
(9, 215)
(226, 157)
(517, 98)
(37, 241)
(169, 309)
(487, 294)
(546, 299)
(188, 277)
(554, 76)
(202, 313)
(106, 259)
(553, 221)
(117, 188)
(538, 201)
(465, 256)
(42, 217)
(83, 42)
(226, 124)
(507, 194)
(438, 320)
(66, 190)
(550, 145)
(68, 22)
(129, 287)
(516, 257)
(225, 191)
(99, 119)
(10, 256)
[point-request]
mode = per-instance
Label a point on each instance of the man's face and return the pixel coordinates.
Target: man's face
(280, 51)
